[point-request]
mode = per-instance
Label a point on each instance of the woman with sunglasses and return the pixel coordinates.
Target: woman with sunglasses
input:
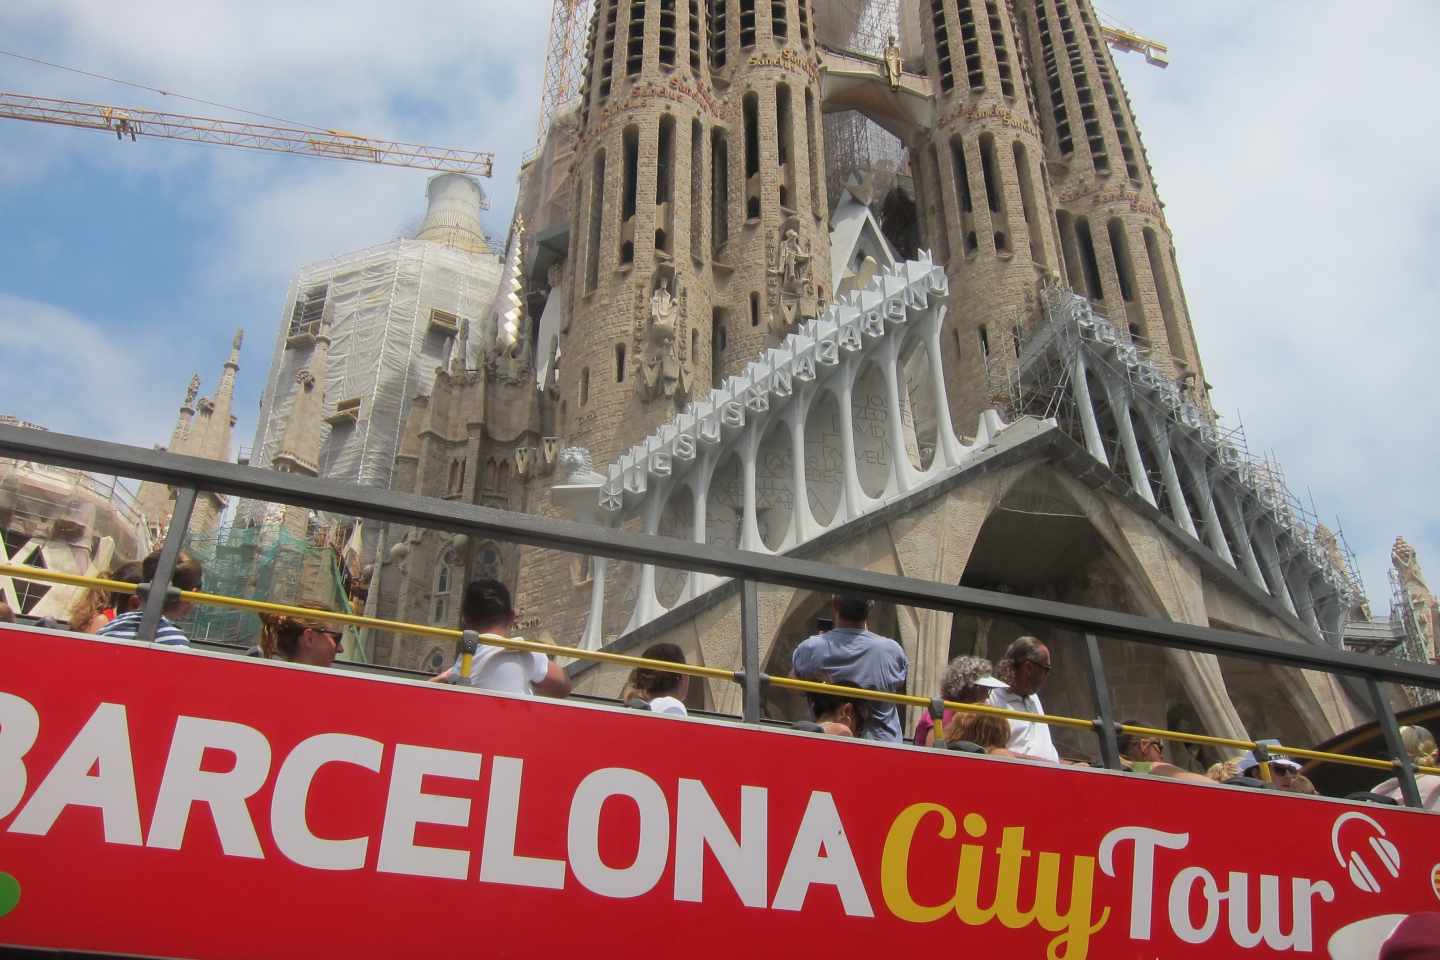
(311, 641)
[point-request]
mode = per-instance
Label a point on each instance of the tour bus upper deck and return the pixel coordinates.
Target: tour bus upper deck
(262, 802)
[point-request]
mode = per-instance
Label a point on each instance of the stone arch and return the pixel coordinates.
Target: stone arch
(1050, 539)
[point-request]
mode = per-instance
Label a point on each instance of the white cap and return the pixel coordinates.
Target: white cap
(992, 683)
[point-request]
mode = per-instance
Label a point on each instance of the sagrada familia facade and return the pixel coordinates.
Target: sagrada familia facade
(988, 377)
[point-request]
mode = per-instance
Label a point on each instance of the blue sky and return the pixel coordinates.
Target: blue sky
(1292, 145)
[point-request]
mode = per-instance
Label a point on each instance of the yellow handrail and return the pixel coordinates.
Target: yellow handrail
(691, 669)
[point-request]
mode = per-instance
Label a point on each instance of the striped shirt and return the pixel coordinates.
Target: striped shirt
(127, 625)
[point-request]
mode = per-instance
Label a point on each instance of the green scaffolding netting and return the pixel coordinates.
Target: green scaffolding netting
(264, 563)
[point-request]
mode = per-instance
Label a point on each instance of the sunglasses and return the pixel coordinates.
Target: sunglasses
(336, 635)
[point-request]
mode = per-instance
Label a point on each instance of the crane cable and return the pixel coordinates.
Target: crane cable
(165, 93)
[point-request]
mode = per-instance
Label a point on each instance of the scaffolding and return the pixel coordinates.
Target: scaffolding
(1030, 365)
(267, 563)
(565, 57)
(857, 148)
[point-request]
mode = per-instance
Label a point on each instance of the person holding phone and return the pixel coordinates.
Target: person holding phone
(848, 653)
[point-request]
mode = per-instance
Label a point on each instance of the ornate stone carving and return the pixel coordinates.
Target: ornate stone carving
(576, 468)
(664, 370)
(193, 390)
(305, 379)
(892, 63)
(793, 296)
(1422, 604)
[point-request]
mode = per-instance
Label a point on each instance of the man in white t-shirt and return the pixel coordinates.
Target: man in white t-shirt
(1025, 667)
(486, 609)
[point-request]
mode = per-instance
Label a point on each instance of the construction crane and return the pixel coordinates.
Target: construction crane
(564, 59)
(1123, 38)
(331, 144)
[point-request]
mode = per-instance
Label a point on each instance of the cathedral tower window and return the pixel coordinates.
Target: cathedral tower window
(1059, 111)
(942, 45)
(971, 39)
(720, 191)
(984, 343)
(619, 363)
(1027, 203)
(1162, 291)
(635, 44)
(665, 185)
(597, 211)
(1120, 250)
(1002, 52)
(754, 309)
(804, 6)
(1088, 263)
(934, 188)
(747, 23)
(785, 144)
(719, 17)
(694, 37)
(751, 105)
(812, 150)
(778, 25)
(584, 386)
(607, 56)
(697, 186)
(667, 33)
(994, 193)
(631, 145)
(962, 187)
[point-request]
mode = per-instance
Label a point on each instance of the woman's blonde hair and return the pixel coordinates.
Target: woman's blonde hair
(280, 632)
(986, 729)
(1420, 744)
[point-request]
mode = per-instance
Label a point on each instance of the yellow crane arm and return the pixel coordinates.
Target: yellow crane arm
(1156, 53)
(333, 144)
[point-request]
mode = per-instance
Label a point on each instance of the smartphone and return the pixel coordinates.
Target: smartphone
(824, 625)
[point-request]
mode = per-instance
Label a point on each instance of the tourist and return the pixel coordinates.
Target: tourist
(1420, 745)
(849, 653)
(313, 641)
(966, 680)
(1140, 753)
(981, 733)
(187, 576)
(6, 614)
(839, 715)
(486, 608)
(663, 690)
(1224, 771)
(1025, 668)
(1283, 770)
(95, 608)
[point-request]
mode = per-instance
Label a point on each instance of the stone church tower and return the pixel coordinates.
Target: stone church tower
(700, 229)
(674, 229)
(203, 429)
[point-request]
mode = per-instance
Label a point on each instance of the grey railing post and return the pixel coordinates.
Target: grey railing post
(1105, 723)
(750, 648)
(1386, 718)
(165, 568)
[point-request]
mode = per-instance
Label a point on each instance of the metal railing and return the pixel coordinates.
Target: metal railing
(190, 475)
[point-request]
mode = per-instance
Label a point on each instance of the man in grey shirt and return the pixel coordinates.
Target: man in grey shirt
(849, 652)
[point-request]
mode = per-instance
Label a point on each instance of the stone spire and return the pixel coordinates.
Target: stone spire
(1420, 609)
(181, 432)
(453, 217)
(299, 450)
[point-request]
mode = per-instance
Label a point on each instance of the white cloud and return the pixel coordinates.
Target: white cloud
(455, 75)
(69, 374)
